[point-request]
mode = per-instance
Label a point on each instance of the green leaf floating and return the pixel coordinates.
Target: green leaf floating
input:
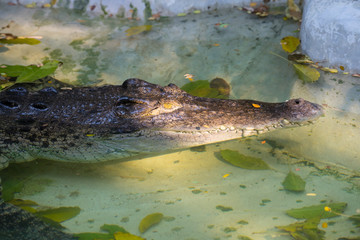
(317, 211)
(306, 73)
(242, 161)
(29, 73)
(149, 221)
(356, 220)
(59, 214)
(294, 182)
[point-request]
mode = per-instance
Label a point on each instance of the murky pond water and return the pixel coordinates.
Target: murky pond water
(201, 196)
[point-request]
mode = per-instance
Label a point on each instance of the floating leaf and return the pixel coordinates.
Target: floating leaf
(293, 11)
(137, 30)
(112, 228)
(306, 73)
(294, 182)
(149, 221)
(304, 230)
(92, 236)
(126, 236)
(59, 214)
(299, 58)
(290, 43)
(29, 73)
(330, 70)
(317, 211)
(181, 14)
(21, 202)
(20, 40)
(240, 160)
(356, 220)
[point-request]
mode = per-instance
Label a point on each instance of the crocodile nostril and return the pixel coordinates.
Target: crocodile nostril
(39, 106)
(9, 104)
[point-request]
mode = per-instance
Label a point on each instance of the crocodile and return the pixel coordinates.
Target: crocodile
(92, 124)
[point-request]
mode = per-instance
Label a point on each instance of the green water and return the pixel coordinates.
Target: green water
(192, 189)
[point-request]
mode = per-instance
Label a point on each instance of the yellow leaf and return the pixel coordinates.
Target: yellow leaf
(306, 73)
(46, 5)
(197, 11)
(256, 105)
(126, 236)
(181, 14)
(149, 221)
(290, 43)
(31, 5)
(342, 68)
(59, 214)
(138, 29)
(330, 70)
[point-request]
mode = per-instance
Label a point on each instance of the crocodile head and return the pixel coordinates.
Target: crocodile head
(183, 120)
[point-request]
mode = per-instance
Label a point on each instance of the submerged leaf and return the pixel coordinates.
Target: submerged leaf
(59, 214)
(317, 211)
(10, 187)
(290, 43)
(306, 73)
(217, 88)
(137, 29)
(149, 221)
(126, 236)
(200, 88)
(294, 182)
(240, 160)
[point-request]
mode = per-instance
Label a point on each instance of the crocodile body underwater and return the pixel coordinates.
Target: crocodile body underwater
(91, 124)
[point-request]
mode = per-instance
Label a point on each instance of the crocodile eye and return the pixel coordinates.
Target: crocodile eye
(127, 107)
(9, 104)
